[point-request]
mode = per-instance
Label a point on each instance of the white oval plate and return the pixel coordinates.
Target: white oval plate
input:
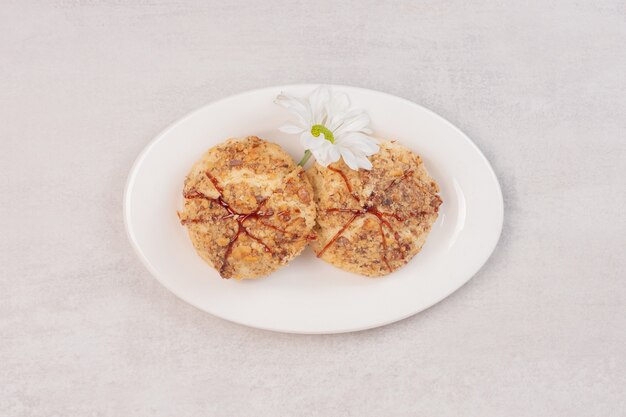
(309, 295)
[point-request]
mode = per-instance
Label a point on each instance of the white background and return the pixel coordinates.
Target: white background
(540, 86)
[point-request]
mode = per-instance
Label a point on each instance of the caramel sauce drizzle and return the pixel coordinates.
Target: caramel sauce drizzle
(286, 233)
(239, 217)
(345, 180)
(373, 210)
(338, 234)
(393, 183)
(394, 215)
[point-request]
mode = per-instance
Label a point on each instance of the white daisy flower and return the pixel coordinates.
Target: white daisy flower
(329, 129)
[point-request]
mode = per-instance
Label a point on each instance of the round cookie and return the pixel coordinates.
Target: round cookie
(373, 222)
(248, 208)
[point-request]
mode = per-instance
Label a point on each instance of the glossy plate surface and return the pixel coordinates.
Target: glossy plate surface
(308, 295)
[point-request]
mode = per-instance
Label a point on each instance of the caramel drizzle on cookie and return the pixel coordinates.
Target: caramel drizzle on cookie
(369, 208)
(240, 218)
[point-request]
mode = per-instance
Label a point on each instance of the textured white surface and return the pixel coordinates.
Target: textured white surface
(539, 86)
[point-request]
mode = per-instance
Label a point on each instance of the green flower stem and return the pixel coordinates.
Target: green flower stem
(305, 158)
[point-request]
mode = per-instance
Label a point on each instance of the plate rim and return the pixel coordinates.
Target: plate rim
(154, 141)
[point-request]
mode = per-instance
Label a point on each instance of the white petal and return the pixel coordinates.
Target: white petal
(363, 162)
(358, 143)
(317, 102)
(291, 128)
(300, 108)
(332, 154)
(308, 141)
(337, 109)
(326, 154)
(339, 103)
(355, 121)
(349, 158)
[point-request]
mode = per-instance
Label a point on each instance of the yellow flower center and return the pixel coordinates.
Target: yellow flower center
(316, 130)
